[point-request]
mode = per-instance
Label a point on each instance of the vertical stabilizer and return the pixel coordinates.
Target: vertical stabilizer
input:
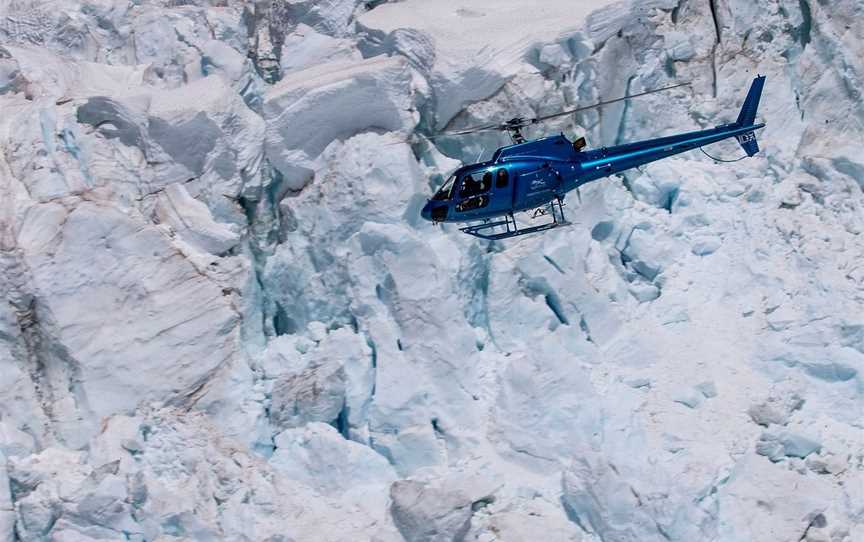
(748, 115)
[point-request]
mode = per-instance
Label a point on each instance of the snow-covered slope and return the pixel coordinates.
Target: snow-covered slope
(222, 318)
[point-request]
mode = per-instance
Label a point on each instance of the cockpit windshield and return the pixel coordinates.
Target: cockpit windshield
(444, 192)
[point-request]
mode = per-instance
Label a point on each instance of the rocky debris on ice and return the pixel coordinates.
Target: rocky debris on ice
(777, 409)
(827, 463)
(793, 511)
(425, 513)
(316, 394)
(37, 73)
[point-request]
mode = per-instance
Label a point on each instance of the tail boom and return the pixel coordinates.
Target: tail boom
(602, 162)
(599, 163)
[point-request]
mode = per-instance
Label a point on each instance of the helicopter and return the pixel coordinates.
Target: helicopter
(534, 176)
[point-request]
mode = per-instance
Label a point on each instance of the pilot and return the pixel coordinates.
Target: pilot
(579, 144)
(467, 186)
(501, 181)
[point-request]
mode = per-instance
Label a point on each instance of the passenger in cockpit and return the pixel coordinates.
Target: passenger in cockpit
(469, 187)
(486, 182)
(579, 144)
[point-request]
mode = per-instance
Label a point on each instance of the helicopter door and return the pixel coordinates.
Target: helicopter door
(474, 185)
(537, 187)
(473, 192)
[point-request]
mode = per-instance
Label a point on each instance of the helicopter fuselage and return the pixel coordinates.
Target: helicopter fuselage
(536, 174)
(530, 175)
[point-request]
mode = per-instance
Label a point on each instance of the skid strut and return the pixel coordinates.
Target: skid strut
(483, 230)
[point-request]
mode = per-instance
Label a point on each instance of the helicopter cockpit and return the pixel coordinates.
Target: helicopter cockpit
(471, 183)
(472, 187)
(443, 193)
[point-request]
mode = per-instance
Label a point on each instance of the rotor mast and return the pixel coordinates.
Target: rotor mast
(514, 129)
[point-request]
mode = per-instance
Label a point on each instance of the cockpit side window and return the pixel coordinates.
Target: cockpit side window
(467, 187)
(472, 203)
(471, 187)
(501, 178)
(443, 193)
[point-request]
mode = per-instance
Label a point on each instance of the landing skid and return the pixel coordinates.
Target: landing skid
(483, 230)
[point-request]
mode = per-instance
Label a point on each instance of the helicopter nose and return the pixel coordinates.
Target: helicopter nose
(426, 213)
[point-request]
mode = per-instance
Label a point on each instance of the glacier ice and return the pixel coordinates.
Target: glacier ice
(369, 94)
(426, 513)
(223, 320)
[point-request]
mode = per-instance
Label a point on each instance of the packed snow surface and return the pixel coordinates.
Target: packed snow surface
(223, 319)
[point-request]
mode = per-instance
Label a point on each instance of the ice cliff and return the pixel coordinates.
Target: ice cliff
(222, 318)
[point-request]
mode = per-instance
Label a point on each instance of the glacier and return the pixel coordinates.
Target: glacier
(223, 318)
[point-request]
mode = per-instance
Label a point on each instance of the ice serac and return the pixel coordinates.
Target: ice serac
(310, 108)
(328, 381)
(468, 51)
(317, 456)
(201, 134)
(139, 289)
(221, 317)
(331, 17)
(306, 282)
(193, 222)
(305, 48)
(600, 501)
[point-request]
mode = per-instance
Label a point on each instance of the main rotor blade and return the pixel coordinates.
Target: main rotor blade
(607, 102)
(466, 131)
(528, 122)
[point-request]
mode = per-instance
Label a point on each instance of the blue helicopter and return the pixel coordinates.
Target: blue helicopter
(536, 175)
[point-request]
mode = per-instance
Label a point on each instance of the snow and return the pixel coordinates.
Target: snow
(371, 94)
(467, 50)
(305, 48)
(223, 318)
